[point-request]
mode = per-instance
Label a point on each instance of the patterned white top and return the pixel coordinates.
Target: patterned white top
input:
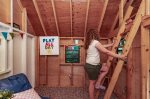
(93, 55)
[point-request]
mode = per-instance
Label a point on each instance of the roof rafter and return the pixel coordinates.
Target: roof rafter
(102, 15)
(71, 17)
(121, 9)
(86, 19)
(39, 15)
(55, 16)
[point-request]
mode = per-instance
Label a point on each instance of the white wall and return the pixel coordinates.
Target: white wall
(24, 57)
(6, 57)
(17, 58)
(31, 60)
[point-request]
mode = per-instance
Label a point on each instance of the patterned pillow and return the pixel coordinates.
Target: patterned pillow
(28, 94)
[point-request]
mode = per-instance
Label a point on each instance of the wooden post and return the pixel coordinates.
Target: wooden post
(24, 19)
(86, 19)
(148, 45)
(144, 59)
(37, 65)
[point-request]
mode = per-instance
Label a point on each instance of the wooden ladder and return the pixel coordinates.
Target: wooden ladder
(129, 39)
(117, 40)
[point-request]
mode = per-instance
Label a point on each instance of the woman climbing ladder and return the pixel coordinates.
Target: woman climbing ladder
(94, 69)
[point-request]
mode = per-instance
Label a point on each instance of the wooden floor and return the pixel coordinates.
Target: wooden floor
(67, 93)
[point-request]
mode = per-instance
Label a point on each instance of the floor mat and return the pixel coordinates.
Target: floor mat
(63, 93)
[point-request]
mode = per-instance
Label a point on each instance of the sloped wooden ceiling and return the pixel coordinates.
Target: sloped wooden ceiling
(111, 12)
(67, 18)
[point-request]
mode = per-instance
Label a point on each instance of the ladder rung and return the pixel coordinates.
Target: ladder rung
(127, 28)
(131, 17)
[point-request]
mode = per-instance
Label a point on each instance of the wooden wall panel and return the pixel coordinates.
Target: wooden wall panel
(78, 75)
(65, 76)
(53, 70)
(5, 11)
(128, 85)
(134, 70)
(61, 74)
(42, 69)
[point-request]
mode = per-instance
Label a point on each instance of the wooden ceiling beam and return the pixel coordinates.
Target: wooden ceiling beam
(71, 18)
(86, 18)
(102, 15)
(121, 10)
(39, 15)
(55, 16)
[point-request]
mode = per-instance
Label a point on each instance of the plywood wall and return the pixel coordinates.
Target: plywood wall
(52, 71)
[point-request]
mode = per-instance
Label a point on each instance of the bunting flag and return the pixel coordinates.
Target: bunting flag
(5, 35)
(12, 35)
(21, 34)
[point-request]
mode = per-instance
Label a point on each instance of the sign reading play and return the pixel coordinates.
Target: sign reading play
(49, 45)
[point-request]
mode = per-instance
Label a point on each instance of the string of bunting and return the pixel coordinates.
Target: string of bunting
(12, 34)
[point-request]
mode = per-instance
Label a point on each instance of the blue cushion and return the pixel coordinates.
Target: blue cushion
(15, 83)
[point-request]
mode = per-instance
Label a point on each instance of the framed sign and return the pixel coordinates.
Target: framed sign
(72, 54)
(49, 45)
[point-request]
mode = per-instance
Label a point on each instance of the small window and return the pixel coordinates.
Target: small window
(72, 54)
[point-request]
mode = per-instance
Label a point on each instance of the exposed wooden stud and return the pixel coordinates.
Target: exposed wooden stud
(86, 18)
(39, 15)
(71, 17)
(55, 16)
(144, 58)
(37, 64)
(127, 46)
(146, 22)
(147, 7)
(121, 9)
(46, 69)
(146, 34)
(102, 15)
(24, 20)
